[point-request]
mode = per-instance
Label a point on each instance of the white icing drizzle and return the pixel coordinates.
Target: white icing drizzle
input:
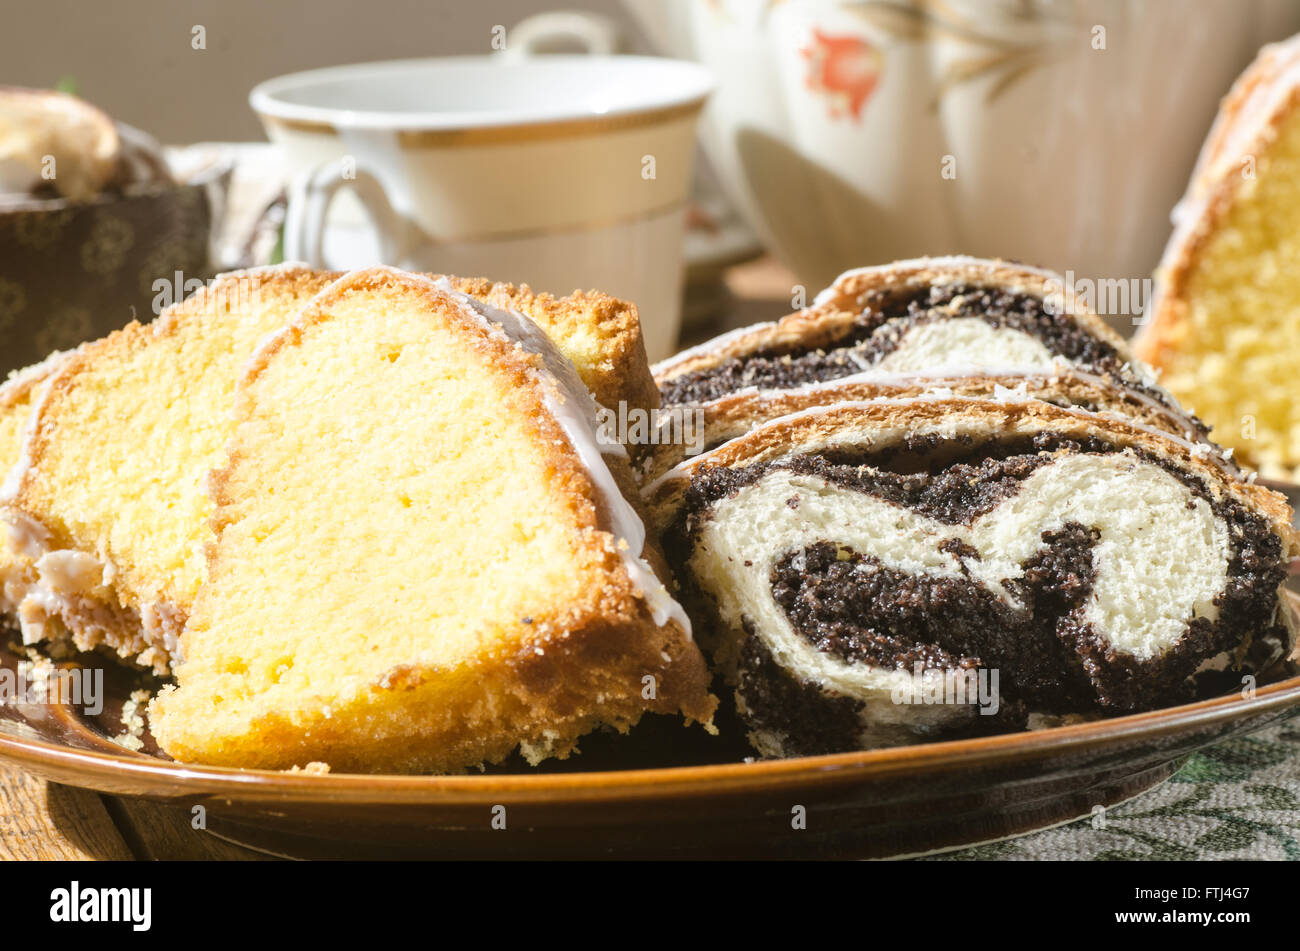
(574, 408)
(38, 375)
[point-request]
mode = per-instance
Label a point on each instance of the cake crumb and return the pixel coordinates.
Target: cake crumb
(128, 741)
(132, 738)
(315, 767)
(36, 671)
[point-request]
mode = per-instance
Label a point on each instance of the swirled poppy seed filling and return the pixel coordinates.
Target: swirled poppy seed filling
(846, 602)
(884, 324)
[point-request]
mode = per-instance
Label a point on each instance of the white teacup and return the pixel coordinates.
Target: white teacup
(1060, 132)
(561, 172)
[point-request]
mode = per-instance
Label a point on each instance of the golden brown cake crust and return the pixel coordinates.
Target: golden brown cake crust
(1242, 112)
(837, 307)
(1210, 196)
(622, 374)
(591, 653)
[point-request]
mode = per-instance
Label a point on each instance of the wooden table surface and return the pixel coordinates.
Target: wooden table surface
(40, 820)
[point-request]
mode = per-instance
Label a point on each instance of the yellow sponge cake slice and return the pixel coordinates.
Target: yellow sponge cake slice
(110, 495)
(1224, 327)
(423, 559)
(110, 502)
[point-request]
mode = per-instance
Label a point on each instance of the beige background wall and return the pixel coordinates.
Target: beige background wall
(134, 58)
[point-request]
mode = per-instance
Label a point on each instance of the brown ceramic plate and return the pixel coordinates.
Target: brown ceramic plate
(664, 791)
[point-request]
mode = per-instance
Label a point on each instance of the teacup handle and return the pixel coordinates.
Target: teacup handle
(543, 32)
(310, 197)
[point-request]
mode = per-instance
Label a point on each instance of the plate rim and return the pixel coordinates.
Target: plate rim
(174, 780)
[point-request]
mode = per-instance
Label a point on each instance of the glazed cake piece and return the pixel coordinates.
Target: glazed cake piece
(921, 315)
(844, 563)
(18, 393)
(420, 590)
(726, 417)
(109, 498)
(1224, 325)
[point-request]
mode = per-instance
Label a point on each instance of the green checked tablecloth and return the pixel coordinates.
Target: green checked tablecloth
(1237, 800)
